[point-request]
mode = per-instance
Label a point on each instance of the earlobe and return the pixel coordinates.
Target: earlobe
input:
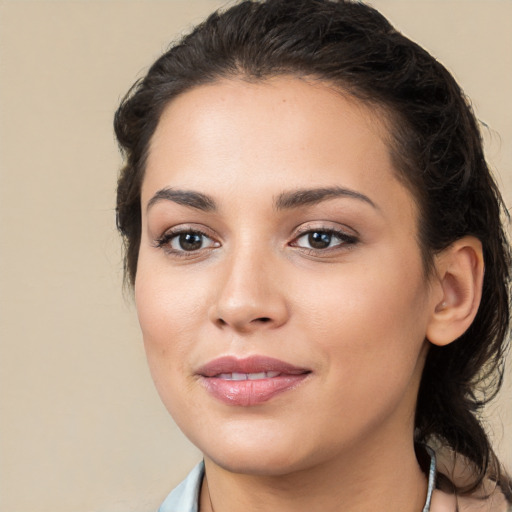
(457, 290)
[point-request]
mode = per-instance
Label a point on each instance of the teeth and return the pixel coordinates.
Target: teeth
(248, 376)
(256, 376)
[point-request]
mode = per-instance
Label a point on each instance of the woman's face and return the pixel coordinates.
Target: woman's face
(280, 286)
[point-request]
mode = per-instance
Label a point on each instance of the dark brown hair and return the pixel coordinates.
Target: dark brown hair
(434, 141)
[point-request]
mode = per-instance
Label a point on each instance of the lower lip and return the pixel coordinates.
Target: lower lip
(245, 393)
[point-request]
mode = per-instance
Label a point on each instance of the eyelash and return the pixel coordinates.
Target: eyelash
(165, 241)
(345, 241)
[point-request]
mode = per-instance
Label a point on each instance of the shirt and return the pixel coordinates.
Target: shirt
(185, 497)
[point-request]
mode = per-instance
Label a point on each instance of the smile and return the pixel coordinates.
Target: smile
(248, 376)
(250, 381)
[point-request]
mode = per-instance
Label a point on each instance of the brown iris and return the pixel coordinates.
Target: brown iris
(319, 239)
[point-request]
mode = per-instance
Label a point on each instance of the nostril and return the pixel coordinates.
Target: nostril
(263, 319)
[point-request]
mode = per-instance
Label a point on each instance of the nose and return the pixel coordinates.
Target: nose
(251, 295)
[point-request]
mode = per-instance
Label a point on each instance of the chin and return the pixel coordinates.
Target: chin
(269, 455)
(260, 464)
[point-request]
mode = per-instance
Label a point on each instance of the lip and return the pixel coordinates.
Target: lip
(215, 376)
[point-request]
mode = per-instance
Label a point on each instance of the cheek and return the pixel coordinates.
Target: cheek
(370, 322)
(165, 301)
(372, 353)
(163, 307)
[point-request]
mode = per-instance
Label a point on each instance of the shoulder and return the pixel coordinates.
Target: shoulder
(454, 469)
(444, 502)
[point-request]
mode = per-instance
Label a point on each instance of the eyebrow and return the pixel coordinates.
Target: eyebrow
(310, 196)
(284, 201)
(184, 197)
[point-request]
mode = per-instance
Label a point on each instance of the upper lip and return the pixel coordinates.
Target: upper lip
(252, 364)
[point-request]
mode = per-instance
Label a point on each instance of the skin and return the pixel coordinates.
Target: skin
(355, 314)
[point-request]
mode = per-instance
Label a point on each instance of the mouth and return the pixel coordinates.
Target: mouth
(249, 381)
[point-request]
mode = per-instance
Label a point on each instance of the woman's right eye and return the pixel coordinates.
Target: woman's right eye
(185, 241)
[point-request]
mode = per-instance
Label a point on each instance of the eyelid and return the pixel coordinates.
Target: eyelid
(325, 226)
(163, 241)
(348, 237)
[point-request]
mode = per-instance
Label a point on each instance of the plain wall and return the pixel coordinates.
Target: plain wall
(81, 427)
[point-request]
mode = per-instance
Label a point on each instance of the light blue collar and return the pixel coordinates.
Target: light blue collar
(431, 478)
(185, 497)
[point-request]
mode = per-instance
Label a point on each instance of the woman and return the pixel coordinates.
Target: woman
(320, 271)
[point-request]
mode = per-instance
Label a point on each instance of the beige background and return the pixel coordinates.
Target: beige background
(81, 427)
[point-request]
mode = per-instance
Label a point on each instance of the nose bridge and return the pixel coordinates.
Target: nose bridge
(249, 296)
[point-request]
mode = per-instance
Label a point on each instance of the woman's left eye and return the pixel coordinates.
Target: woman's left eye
(321, 239)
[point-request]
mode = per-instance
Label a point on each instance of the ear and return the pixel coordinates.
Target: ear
(457, 290)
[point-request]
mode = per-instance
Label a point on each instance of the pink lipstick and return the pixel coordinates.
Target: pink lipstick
(249, 381)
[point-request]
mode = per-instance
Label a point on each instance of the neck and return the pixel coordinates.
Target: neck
(381, 477)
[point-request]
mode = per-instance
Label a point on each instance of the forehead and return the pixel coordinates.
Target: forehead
(280, 132)
(217, 111)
